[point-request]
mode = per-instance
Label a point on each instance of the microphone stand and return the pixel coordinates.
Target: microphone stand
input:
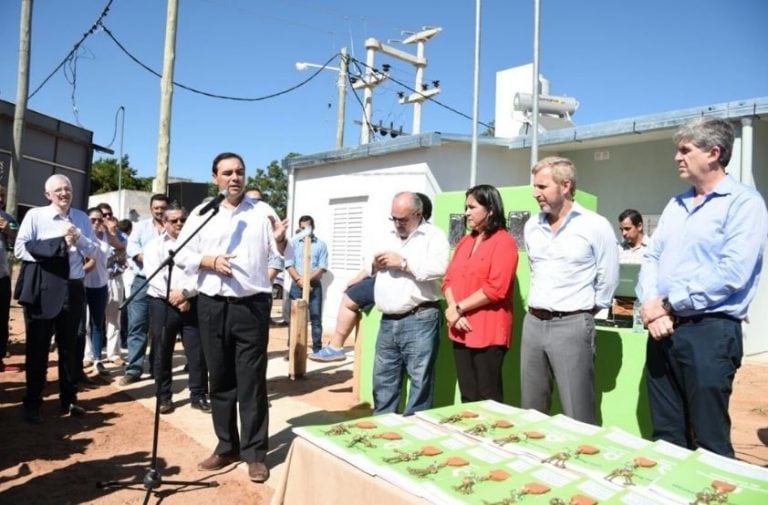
(152, 478)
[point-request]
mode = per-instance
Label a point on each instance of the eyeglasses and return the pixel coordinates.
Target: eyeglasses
(402, 220)
(181, 220)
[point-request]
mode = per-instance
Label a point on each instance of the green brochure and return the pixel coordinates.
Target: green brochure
(484, 421)
(643, 467)
(709, 478)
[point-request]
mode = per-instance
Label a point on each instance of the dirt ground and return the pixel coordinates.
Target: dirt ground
(61, 460)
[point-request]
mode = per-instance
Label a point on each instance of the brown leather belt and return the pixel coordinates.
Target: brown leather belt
(546, 315)
(418, 308)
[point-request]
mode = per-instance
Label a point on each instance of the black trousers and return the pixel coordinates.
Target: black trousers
(479, 372)
(235, 337)
(5, 311)
(164, 339)
(689, 376)
(39, 332)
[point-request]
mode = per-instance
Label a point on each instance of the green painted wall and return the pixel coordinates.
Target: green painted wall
(620, 353)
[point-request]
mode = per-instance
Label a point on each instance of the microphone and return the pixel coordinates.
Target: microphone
(213, 203)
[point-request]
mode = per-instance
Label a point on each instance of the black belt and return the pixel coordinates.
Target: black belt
(696, 318)
(546, 315)
(75, 282)
(239, 299)
(418, 308)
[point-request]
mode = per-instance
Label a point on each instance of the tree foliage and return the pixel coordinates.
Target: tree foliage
(104, 176)
(273, 183)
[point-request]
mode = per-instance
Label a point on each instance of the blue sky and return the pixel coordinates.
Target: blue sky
(618, 58)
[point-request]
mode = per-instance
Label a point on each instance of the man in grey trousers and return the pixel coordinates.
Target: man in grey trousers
(573, 256)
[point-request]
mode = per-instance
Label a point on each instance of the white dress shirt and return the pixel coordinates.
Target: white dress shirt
(154, 254)
(42, 223)
(244, 232)
(575, 267)
(426, 252)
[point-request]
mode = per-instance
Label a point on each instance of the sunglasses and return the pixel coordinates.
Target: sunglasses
(181, 220)
(106, 215)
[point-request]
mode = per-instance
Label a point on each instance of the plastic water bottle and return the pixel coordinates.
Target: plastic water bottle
(637, 321)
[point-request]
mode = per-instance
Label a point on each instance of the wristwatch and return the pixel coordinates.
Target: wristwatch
(458, 310)
(403, 264)
(186, 293)
(666, 305)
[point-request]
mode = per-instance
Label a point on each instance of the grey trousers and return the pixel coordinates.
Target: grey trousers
(563, 348)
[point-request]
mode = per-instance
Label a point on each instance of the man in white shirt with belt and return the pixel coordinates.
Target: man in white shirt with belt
(413, 258)
(573, 256)
(173, 315)
(231, 254)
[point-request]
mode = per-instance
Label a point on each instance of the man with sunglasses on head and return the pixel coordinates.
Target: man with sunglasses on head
(174, 314)
(408, 267)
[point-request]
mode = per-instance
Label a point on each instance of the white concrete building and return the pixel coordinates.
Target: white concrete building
(626, 163)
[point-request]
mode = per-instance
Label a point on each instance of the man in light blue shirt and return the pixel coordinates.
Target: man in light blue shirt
(318, 265)
(573, 255)
(697, 279)
(53, 242)
(138, 308)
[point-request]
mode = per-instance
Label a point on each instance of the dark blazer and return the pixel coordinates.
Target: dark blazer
(42, 287)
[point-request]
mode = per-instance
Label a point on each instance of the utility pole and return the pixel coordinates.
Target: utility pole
(160, 184)
(421, 94)
(475, 99)
(536, 85)
(22, 90)
(373, 77)
(342, 105)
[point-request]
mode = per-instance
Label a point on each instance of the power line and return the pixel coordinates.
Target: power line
(75, 48)
(431, 99)
(215, 95)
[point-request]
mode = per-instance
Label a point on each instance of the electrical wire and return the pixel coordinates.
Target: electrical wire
(215, 95)
(74, 49)
(371, 132)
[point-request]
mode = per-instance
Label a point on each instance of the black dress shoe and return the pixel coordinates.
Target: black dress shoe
(166, 407)
(73, 410)
(32, 416)
(202, 405)
(84, 379)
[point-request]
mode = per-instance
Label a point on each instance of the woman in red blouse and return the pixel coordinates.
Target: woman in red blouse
(478, 289)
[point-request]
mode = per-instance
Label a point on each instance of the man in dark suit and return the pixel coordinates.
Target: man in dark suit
(53, 242)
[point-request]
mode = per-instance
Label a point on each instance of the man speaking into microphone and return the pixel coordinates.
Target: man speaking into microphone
(231, 254)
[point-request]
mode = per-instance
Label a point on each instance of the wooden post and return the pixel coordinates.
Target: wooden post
(358, 357)
(297, 351)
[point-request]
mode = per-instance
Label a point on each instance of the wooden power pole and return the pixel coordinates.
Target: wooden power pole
(160, 184)
(22, 90)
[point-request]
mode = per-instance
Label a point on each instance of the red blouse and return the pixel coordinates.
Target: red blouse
(491, 268)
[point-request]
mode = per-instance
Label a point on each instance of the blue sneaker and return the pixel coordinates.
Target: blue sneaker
(327, 354)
